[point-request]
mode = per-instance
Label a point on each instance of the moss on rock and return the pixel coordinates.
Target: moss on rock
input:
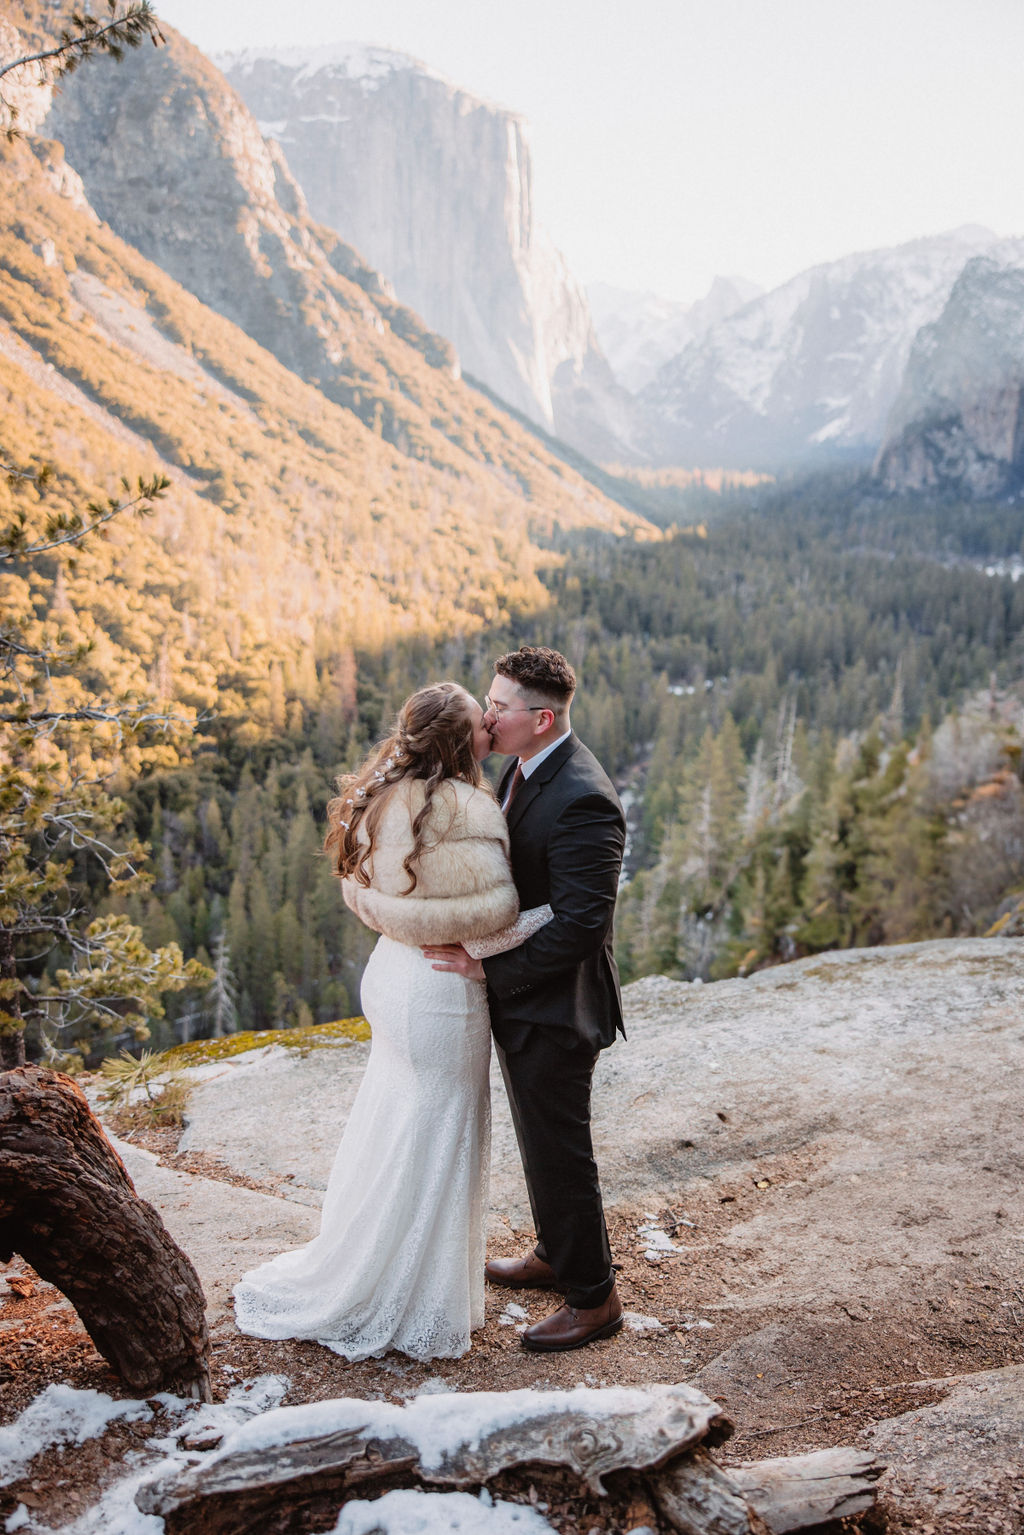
(343, 1031)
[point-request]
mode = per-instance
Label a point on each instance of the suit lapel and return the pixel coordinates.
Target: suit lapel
(536, 782)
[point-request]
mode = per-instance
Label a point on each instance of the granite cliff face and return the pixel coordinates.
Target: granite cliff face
(958, 424)
(809, 371)
(435, 188)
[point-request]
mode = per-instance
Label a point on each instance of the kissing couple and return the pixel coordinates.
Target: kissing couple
(495, 916)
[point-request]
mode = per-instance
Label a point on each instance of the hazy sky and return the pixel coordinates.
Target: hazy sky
(677, 139)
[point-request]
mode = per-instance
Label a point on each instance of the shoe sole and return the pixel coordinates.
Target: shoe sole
(607, 1331)
(526, 1284)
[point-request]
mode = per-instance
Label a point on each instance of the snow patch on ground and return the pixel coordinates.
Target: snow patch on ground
(636, 1322)
(410, 1512)
(658, 1243)
(60, 1415)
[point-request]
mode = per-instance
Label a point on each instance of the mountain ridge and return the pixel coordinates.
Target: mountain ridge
(638, 331)
(294, 530)
(808, 371)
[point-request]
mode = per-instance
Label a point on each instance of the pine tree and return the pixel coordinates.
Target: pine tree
(56, 810)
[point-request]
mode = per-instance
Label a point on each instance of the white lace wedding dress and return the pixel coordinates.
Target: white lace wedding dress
(399, 1260)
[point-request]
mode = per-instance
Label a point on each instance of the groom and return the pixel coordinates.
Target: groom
(555, 1001)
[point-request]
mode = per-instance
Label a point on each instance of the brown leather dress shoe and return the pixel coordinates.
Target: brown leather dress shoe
(569, 1327)
(529, 1273)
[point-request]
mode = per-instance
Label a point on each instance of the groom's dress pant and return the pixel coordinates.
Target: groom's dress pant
(548, 1090)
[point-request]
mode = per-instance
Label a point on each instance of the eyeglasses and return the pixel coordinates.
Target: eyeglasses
(490, 707)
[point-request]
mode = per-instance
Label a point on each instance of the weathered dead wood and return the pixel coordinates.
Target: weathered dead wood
(69, 1208)
(290, 1469)
(279, 1473)
(697, 1498)
(798, 1491)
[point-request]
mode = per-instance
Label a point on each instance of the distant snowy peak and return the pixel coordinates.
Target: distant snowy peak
(723, 298)
(352, 61)
(812, 368)
(639, 331)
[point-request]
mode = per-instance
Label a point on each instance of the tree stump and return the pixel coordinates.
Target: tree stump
(69, 1208)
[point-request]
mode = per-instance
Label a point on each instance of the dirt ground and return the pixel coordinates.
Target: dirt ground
(786, 1389)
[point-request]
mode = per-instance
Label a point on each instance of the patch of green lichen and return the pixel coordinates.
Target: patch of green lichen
(199, 1051)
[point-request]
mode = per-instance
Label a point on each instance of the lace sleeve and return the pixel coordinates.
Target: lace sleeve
(526, 924)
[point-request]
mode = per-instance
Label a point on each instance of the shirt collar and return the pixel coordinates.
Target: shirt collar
(534, 763)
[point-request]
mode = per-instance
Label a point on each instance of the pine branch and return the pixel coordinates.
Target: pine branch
(62, 530)
(128, 30)
(123, 718)
(39, 477)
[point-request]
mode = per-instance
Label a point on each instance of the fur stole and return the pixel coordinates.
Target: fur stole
(463, 885)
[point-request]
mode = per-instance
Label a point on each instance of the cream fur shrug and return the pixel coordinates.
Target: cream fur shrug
(463, 885)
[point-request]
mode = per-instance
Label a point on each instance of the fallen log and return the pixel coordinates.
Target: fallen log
(797, 1492)
(698, 1498)
(292, 1468)
(69, 1208)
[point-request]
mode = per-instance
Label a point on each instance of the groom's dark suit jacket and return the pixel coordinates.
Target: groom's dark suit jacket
(567, 834)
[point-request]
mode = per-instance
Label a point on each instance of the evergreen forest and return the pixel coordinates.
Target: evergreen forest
(811, 699)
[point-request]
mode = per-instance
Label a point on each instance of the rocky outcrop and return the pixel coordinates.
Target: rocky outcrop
(958, 424)
(694, 1097)
(809, 371)
(435, 188)
(813, 1179)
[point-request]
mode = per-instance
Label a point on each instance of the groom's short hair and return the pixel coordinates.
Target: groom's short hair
(540, 671)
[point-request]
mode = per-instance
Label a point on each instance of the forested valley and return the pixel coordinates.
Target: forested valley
(811, 697)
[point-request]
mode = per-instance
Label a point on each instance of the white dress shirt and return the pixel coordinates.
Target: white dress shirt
(533, 763)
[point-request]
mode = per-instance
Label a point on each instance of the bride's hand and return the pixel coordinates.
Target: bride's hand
(452, 956)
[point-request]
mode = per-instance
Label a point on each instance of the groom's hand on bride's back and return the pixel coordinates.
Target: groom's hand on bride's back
(452, 956)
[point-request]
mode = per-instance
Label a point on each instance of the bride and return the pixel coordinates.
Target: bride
(422, 849)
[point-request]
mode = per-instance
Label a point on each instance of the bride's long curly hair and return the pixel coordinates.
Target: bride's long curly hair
(432, 740)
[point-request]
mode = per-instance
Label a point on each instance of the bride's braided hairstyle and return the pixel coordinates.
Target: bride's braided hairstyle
(432, 740)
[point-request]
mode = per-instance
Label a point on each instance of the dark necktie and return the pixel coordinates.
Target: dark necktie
(517, 780)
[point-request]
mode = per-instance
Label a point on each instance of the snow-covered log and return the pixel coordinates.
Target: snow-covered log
(292, 1468)
(68, 1207)
(307, 1460)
